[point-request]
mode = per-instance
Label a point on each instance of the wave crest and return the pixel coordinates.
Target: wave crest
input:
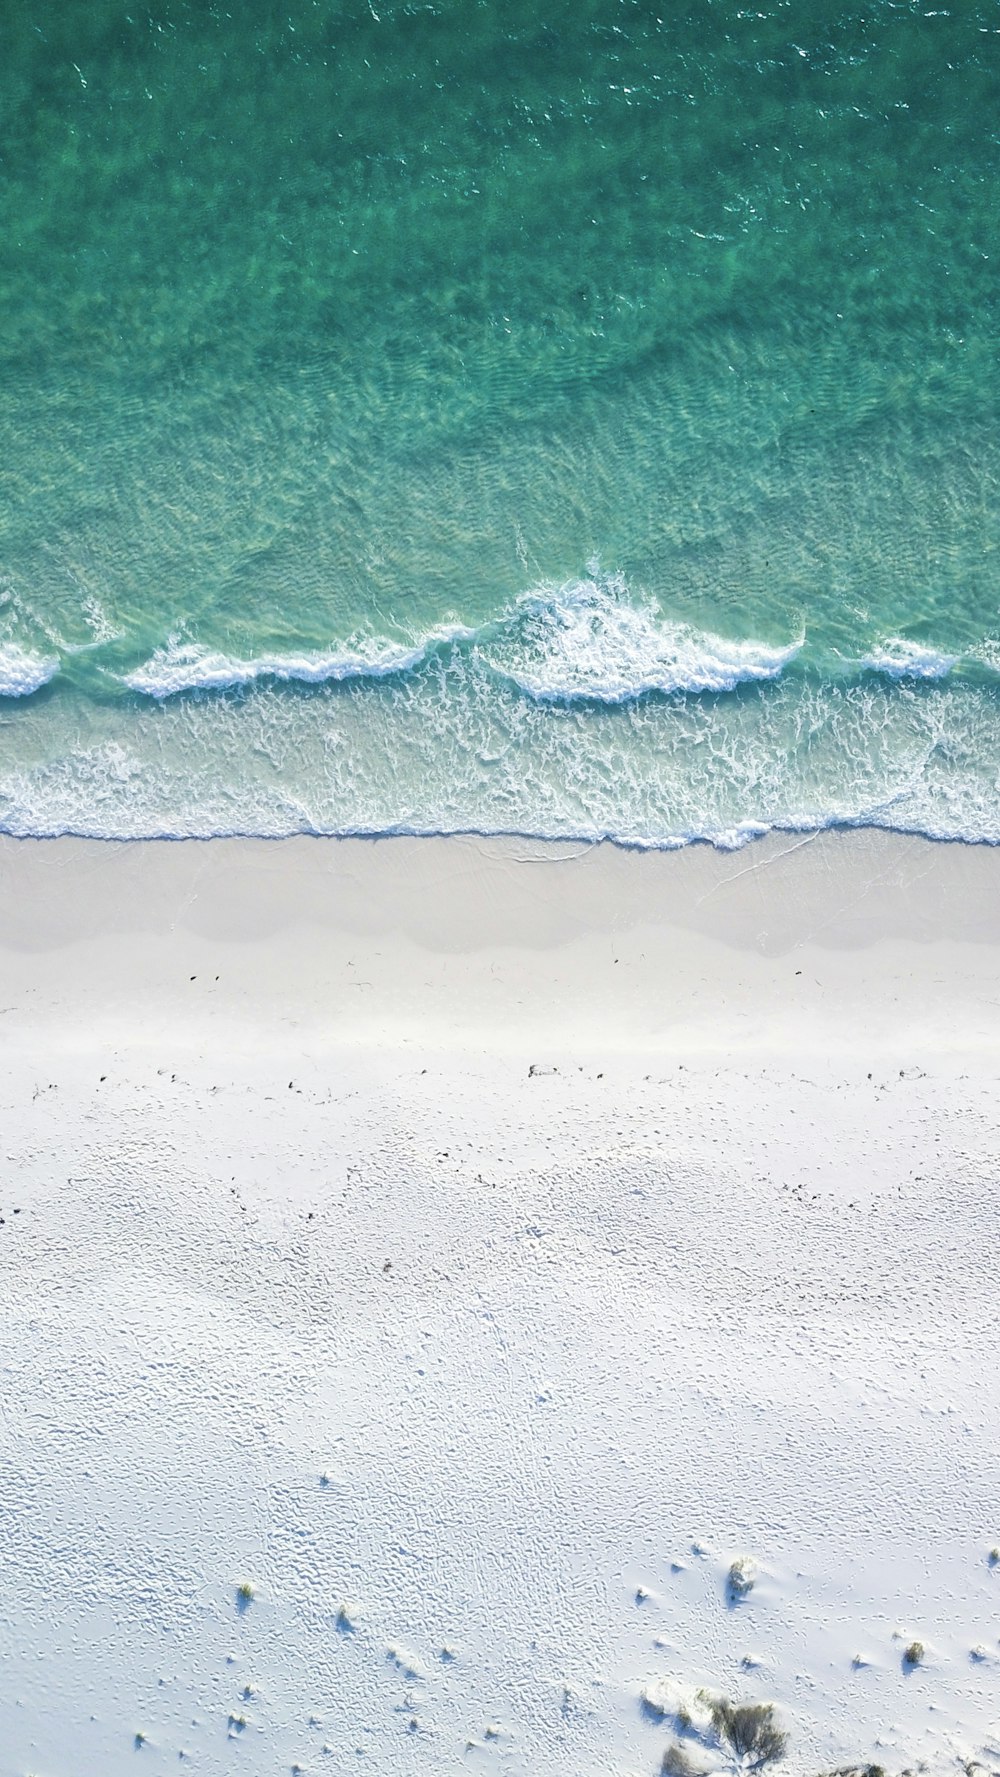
(22, 672)
(896, 658)
(588, 641)
(187, 666)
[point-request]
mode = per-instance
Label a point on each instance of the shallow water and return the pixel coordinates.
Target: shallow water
(463, 416)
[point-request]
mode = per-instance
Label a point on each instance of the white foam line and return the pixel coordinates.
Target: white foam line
(897, 658)
(187, 666)
(21, 673)
(590, 641)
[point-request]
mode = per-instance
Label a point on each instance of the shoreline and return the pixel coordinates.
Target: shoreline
(748, 841)
(640, 949)
(476, 1249)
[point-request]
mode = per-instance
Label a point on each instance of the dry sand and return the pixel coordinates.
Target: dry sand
(476, 1248)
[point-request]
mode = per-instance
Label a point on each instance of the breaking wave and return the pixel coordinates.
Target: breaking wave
(897, 658)
(22, 672)
(590, 642)
(187, 666)
(585, 641)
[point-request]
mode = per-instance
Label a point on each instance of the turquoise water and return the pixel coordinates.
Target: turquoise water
(559, 419)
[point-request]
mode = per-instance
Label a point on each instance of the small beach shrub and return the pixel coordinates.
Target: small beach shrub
(751, 1730)
(857, 1771)
(742, 1576)
(676, 1763)
(914, 1653)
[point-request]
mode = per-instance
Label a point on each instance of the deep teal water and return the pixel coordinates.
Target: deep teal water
(573, 418)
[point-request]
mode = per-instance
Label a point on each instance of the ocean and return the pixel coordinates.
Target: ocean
(569, 419)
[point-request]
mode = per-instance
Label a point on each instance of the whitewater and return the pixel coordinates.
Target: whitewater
(579, 711)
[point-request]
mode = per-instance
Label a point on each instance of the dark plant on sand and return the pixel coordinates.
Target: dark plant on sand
(752, 1732)
(676, 1763)
(748, 1731)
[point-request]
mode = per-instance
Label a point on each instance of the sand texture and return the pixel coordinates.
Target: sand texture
(474, 1251)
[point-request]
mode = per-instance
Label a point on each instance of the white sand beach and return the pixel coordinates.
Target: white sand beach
(473, 1249)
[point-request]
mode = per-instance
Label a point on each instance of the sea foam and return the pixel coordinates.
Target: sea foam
(897, 658)
(187, 666)
(22, 672)
(590, 641)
